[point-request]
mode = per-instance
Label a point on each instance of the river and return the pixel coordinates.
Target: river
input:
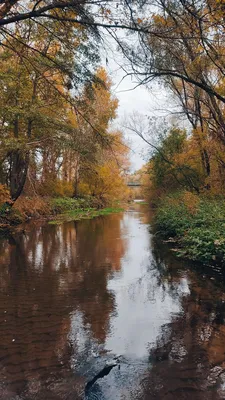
(74, 296)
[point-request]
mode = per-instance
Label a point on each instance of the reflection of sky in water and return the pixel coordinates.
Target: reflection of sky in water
(72, 296)
(142, 306)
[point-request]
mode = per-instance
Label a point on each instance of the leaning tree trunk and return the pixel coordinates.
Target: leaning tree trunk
(19, 163)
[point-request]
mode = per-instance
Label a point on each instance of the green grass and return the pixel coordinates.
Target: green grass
(201, 235)
(65, 204)
(59, 210)
(78, 214)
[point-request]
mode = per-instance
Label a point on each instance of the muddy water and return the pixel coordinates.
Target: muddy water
(74, 296)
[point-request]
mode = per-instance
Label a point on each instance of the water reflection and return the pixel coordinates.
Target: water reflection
(72, 296)
(46, 276)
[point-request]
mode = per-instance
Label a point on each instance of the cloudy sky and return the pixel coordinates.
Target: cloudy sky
(151, 102)
(141, 101)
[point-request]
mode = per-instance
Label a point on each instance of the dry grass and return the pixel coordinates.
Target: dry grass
(4, 194)
(33, 206)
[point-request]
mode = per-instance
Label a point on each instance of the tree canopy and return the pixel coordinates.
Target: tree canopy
(53, 91)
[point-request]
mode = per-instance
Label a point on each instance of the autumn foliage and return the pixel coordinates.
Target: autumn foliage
(55, 137)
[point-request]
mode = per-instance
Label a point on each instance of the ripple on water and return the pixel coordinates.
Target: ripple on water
(75, 295)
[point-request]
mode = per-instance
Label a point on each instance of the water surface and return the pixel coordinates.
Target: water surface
(74, 296)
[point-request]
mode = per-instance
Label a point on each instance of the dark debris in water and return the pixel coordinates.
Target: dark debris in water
(104, 372)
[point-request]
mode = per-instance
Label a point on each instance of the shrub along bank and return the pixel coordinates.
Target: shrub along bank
(55, 209)
(196, 223)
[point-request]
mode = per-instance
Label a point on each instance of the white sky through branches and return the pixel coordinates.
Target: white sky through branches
(154, 101)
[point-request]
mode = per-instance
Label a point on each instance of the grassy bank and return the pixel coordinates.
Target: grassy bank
(56, 210)
(88, 213)
(196, 224)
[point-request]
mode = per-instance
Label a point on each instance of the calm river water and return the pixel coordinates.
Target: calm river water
(74, 296)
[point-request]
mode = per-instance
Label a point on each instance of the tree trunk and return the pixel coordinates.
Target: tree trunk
(18, 172)
(76, 178)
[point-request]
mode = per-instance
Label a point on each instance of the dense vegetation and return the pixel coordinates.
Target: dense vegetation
(189, 201)
(57, 105)
(196, 223)
(55, 116)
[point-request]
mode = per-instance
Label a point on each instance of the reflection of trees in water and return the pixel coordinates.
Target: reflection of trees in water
(100, 249)
(159, 279)
(55, 304)
(46, 275)
(188, 359)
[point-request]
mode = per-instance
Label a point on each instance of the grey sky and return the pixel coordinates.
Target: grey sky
(152, 102)
(144, 102)
(148, 102)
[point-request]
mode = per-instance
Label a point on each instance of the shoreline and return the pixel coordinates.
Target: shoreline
(195, 226)
(52, 211)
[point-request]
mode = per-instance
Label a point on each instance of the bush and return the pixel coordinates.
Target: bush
(10, 215)
(173, 216)
(33, 206)
(55, 188)
(199, 229)
(61, 205)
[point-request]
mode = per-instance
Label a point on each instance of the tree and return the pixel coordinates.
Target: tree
(106, 179)
(166, 29)
(34, 96)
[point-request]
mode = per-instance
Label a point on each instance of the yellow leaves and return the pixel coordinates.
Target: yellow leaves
(105, 180)
(158, 19)
(101, 106)
(106, 183)
(221, 86)
(72, 118)
(160, 22)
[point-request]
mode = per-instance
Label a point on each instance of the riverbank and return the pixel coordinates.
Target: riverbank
(54, 210)
(88, 213)
(195, 224)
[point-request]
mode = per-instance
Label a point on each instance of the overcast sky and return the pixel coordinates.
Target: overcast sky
(151, 102)
(143, 101)
(148, 102)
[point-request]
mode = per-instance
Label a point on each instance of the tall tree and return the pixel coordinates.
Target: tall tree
(34, 95)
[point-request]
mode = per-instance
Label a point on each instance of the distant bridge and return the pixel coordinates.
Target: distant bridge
(134, 184)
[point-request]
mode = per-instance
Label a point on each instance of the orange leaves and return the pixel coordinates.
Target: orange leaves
(191, 201)
(106, 12)
(4, 194)
(100, 105)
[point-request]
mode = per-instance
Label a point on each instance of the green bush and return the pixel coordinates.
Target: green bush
(201, 235)
(10, 215)
(173, 220)
(65, 204)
